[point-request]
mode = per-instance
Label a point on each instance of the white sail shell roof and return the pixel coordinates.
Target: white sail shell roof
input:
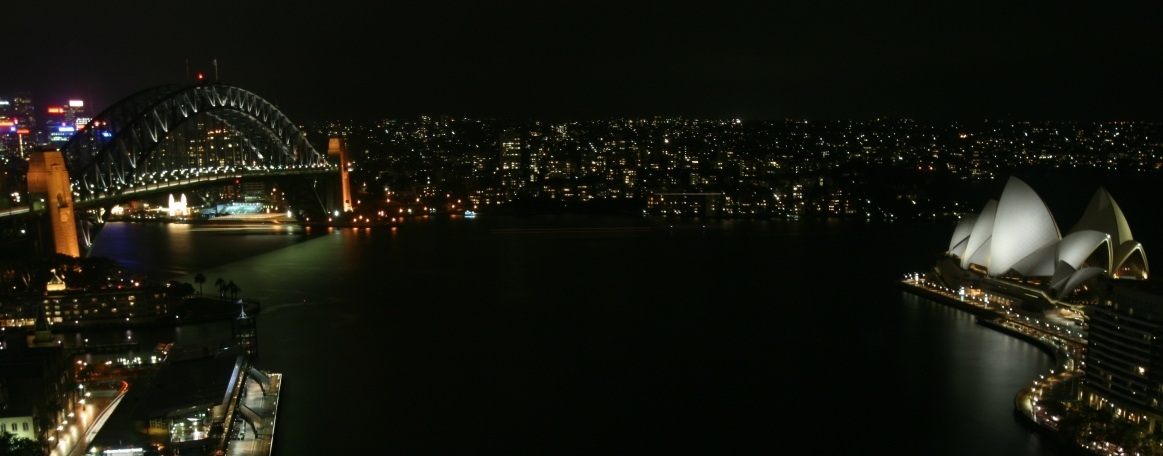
(1103, 214)
(1018, 233)
(1076, 247)
(1039, 263)
(1022, 226)
(961, 232)
(1128, 251)
(979, 235)
(1077, 278)
(1061, 276)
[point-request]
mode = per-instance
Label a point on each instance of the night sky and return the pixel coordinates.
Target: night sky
(556, 60)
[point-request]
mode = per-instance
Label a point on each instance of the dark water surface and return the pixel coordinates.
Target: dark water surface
(579, 335)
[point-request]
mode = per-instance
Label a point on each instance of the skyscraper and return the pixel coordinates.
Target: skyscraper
(510, 167)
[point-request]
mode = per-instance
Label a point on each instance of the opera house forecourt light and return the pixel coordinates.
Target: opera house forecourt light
(1013, 246)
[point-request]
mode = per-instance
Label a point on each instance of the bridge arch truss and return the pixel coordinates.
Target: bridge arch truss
(183, 134)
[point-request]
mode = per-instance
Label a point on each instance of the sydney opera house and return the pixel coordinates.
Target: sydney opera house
(1013, 251)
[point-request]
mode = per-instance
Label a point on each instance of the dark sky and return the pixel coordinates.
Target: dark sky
(559, 60)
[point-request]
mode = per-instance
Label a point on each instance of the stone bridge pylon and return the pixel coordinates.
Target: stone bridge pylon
(49, 190)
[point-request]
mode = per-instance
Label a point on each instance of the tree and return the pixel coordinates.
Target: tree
(233, 289)
(199, 279)
(221, 287)
(10, 444)
(181, 289)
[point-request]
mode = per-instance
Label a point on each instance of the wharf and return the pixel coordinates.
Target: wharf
(1039, 404)
(951, 300)
(257, 440)
(1064, 343)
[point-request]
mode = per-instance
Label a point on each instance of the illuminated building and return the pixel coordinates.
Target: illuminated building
(35, 379)
(1013, 247)
(72, 111)
(77, 308)
(17, 124)
(178, 207)
(24, 110)
(1123, 371)
(62, 121)
(9, 142)
(509, 168)
(58, 130)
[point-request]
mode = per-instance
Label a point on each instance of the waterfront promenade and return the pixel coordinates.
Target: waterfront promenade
(1041, 402)
(246, 441)
(74, 437)
(1052, 332)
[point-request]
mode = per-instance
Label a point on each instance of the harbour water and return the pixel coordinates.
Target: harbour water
(598, 335)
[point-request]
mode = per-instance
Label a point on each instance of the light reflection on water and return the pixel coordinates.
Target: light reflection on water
(744, 337)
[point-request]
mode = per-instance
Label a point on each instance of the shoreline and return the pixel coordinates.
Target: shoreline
(1026, 398)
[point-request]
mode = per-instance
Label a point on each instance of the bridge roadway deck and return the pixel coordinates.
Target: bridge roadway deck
(177, 183)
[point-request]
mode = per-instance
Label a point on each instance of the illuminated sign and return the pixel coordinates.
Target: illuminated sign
(76, 103)
(66, 129)
(22, 131)
(56, 110)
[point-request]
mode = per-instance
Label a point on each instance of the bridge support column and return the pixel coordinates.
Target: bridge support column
(49, 188)
(337, 149)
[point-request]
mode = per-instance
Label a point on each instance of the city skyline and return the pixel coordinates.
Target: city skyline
(599, 60)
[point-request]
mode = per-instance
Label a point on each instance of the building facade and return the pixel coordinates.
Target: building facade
(1123, 369)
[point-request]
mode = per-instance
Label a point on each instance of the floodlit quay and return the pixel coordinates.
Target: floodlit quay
(1083, 296)
(259, 439)
(1040, 401)
(245, 439)
(1057, 335)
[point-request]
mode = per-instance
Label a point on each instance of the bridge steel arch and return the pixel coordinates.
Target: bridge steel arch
(131, 145)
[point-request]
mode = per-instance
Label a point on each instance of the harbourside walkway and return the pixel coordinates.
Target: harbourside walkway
(257, 440)
(1052, 332)
(1040, 403)
(90, 413)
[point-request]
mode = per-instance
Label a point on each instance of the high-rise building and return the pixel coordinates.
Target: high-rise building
(510, 167)
(61, 121)
(17, 125)
(56, 129)
(24, 110)
(7, 127)
(73, 110)
(1123, 368)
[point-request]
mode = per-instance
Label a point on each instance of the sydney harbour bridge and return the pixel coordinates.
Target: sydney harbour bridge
(171, 138)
